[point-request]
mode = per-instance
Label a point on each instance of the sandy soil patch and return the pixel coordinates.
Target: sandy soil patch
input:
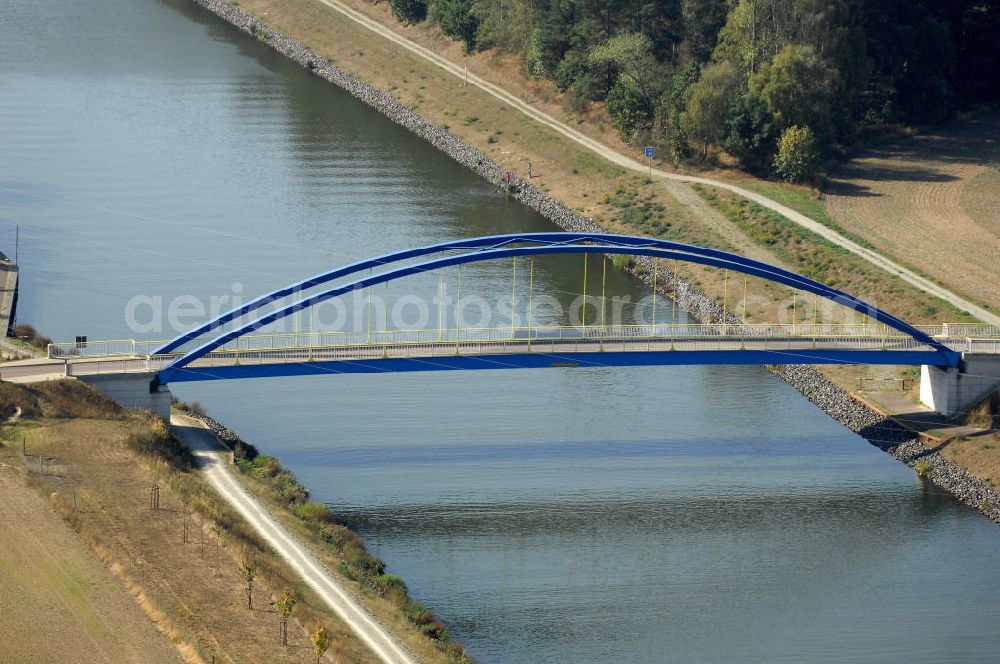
(59, 602)
(933, 202)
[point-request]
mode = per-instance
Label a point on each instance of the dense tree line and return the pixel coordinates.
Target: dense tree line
(778, 84)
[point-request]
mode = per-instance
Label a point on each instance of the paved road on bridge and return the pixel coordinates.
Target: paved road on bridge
(568, 346)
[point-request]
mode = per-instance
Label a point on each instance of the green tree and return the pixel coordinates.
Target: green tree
(573, 67)
(798, 88)
(670, 109)
(631, 55)
(505, 24)
(409, 11)
(320, 640)
(755, 31)
(707, 104)
(547, 45)
(751, 132)
(285, 604)
(630, 112)
(457, 20)
(798, 156)
(248, 570)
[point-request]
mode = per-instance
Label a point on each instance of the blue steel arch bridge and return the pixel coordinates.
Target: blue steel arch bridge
(235, 344)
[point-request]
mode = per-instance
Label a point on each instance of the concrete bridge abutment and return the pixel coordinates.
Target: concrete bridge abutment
(952, 391)
(136, 390)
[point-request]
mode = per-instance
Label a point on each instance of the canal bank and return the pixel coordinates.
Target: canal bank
(830, 398)
(579, 515)
(334, 546)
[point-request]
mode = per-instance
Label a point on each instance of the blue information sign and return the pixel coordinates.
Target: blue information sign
(650, 152)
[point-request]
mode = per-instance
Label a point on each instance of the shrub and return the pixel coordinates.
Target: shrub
(313, 512)
(338, 536)
(289, 488)
(457, 21)
(409, 11)
(923, 468)
(266, 466)
(41, 341)
(154, 440)
(361, 561)
(25, 331)
(415, 612)
(798, 154)
(386, 583)
(29, 334)
(435, 630)
(623, 262)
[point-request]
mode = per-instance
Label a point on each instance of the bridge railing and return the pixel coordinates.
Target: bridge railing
(961, 330)
(552, 345)
(111, 348)
(970, 345)
(539, 332)
(955, 333)
(95, 366)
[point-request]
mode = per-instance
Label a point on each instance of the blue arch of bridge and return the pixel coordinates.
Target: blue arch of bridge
(506, 246)
(489, 242)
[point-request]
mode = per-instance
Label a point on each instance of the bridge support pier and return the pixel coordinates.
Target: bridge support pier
(953, 391)
(134, 390)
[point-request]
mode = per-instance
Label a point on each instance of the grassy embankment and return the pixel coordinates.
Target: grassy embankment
(60, 602)
(96, 462)
(337, 546)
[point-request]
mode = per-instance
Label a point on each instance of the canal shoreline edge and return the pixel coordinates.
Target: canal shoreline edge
(879, 430)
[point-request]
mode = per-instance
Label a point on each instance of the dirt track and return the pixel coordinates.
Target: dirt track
(214, 460)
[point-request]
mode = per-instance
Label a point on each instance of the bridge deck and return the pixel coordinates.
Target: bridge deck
(523, 353)
(423, 350)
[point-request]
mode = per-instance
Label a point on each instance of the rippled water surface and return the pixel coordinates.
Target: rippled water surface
(626, 515)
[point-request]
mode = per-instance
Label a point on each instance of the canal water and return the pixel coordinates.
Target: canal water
(578, 515)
